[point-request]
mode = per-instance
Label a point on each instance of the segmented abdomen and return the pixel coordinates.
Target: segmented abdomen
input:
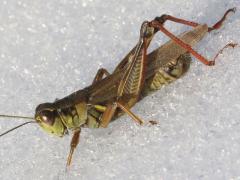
(167, 74)
(161, 78)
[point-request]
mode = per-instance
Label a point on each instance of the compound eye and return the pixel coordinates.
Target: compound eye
(47, 117)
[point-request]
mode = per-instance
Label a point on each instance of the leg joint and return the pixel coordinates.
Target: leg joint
(162, 18)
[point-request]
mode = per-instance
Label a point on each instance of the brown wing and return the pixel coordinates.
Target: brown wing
(158, 58)
(170, 50)
(106, 89)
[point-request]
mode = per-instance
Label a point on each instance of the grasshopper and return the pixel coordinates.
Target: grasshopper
(137, 75)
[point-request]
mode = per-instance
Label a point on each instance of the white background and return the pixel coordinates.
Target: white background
(49, 49)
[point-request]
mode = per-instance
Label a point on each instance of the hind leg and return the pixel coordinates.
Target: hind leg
(162, 19)
(158, 24)
(101, 72)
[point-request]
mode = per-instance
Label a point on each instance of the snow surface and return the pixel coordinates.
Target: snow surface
(48, 49)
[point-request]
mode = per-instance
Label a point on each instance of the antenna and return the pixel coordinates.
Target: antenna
(8, 131)
(16, 117)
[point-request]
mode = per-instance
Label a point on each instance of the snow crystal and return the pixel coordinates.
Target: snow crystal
(48, 49)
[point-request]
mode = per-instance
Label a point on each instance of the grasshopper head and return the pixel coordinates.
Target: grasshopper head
(49, 119)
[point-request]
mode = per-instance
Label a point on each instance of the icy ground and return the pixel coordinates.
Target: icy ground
(49, 49)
